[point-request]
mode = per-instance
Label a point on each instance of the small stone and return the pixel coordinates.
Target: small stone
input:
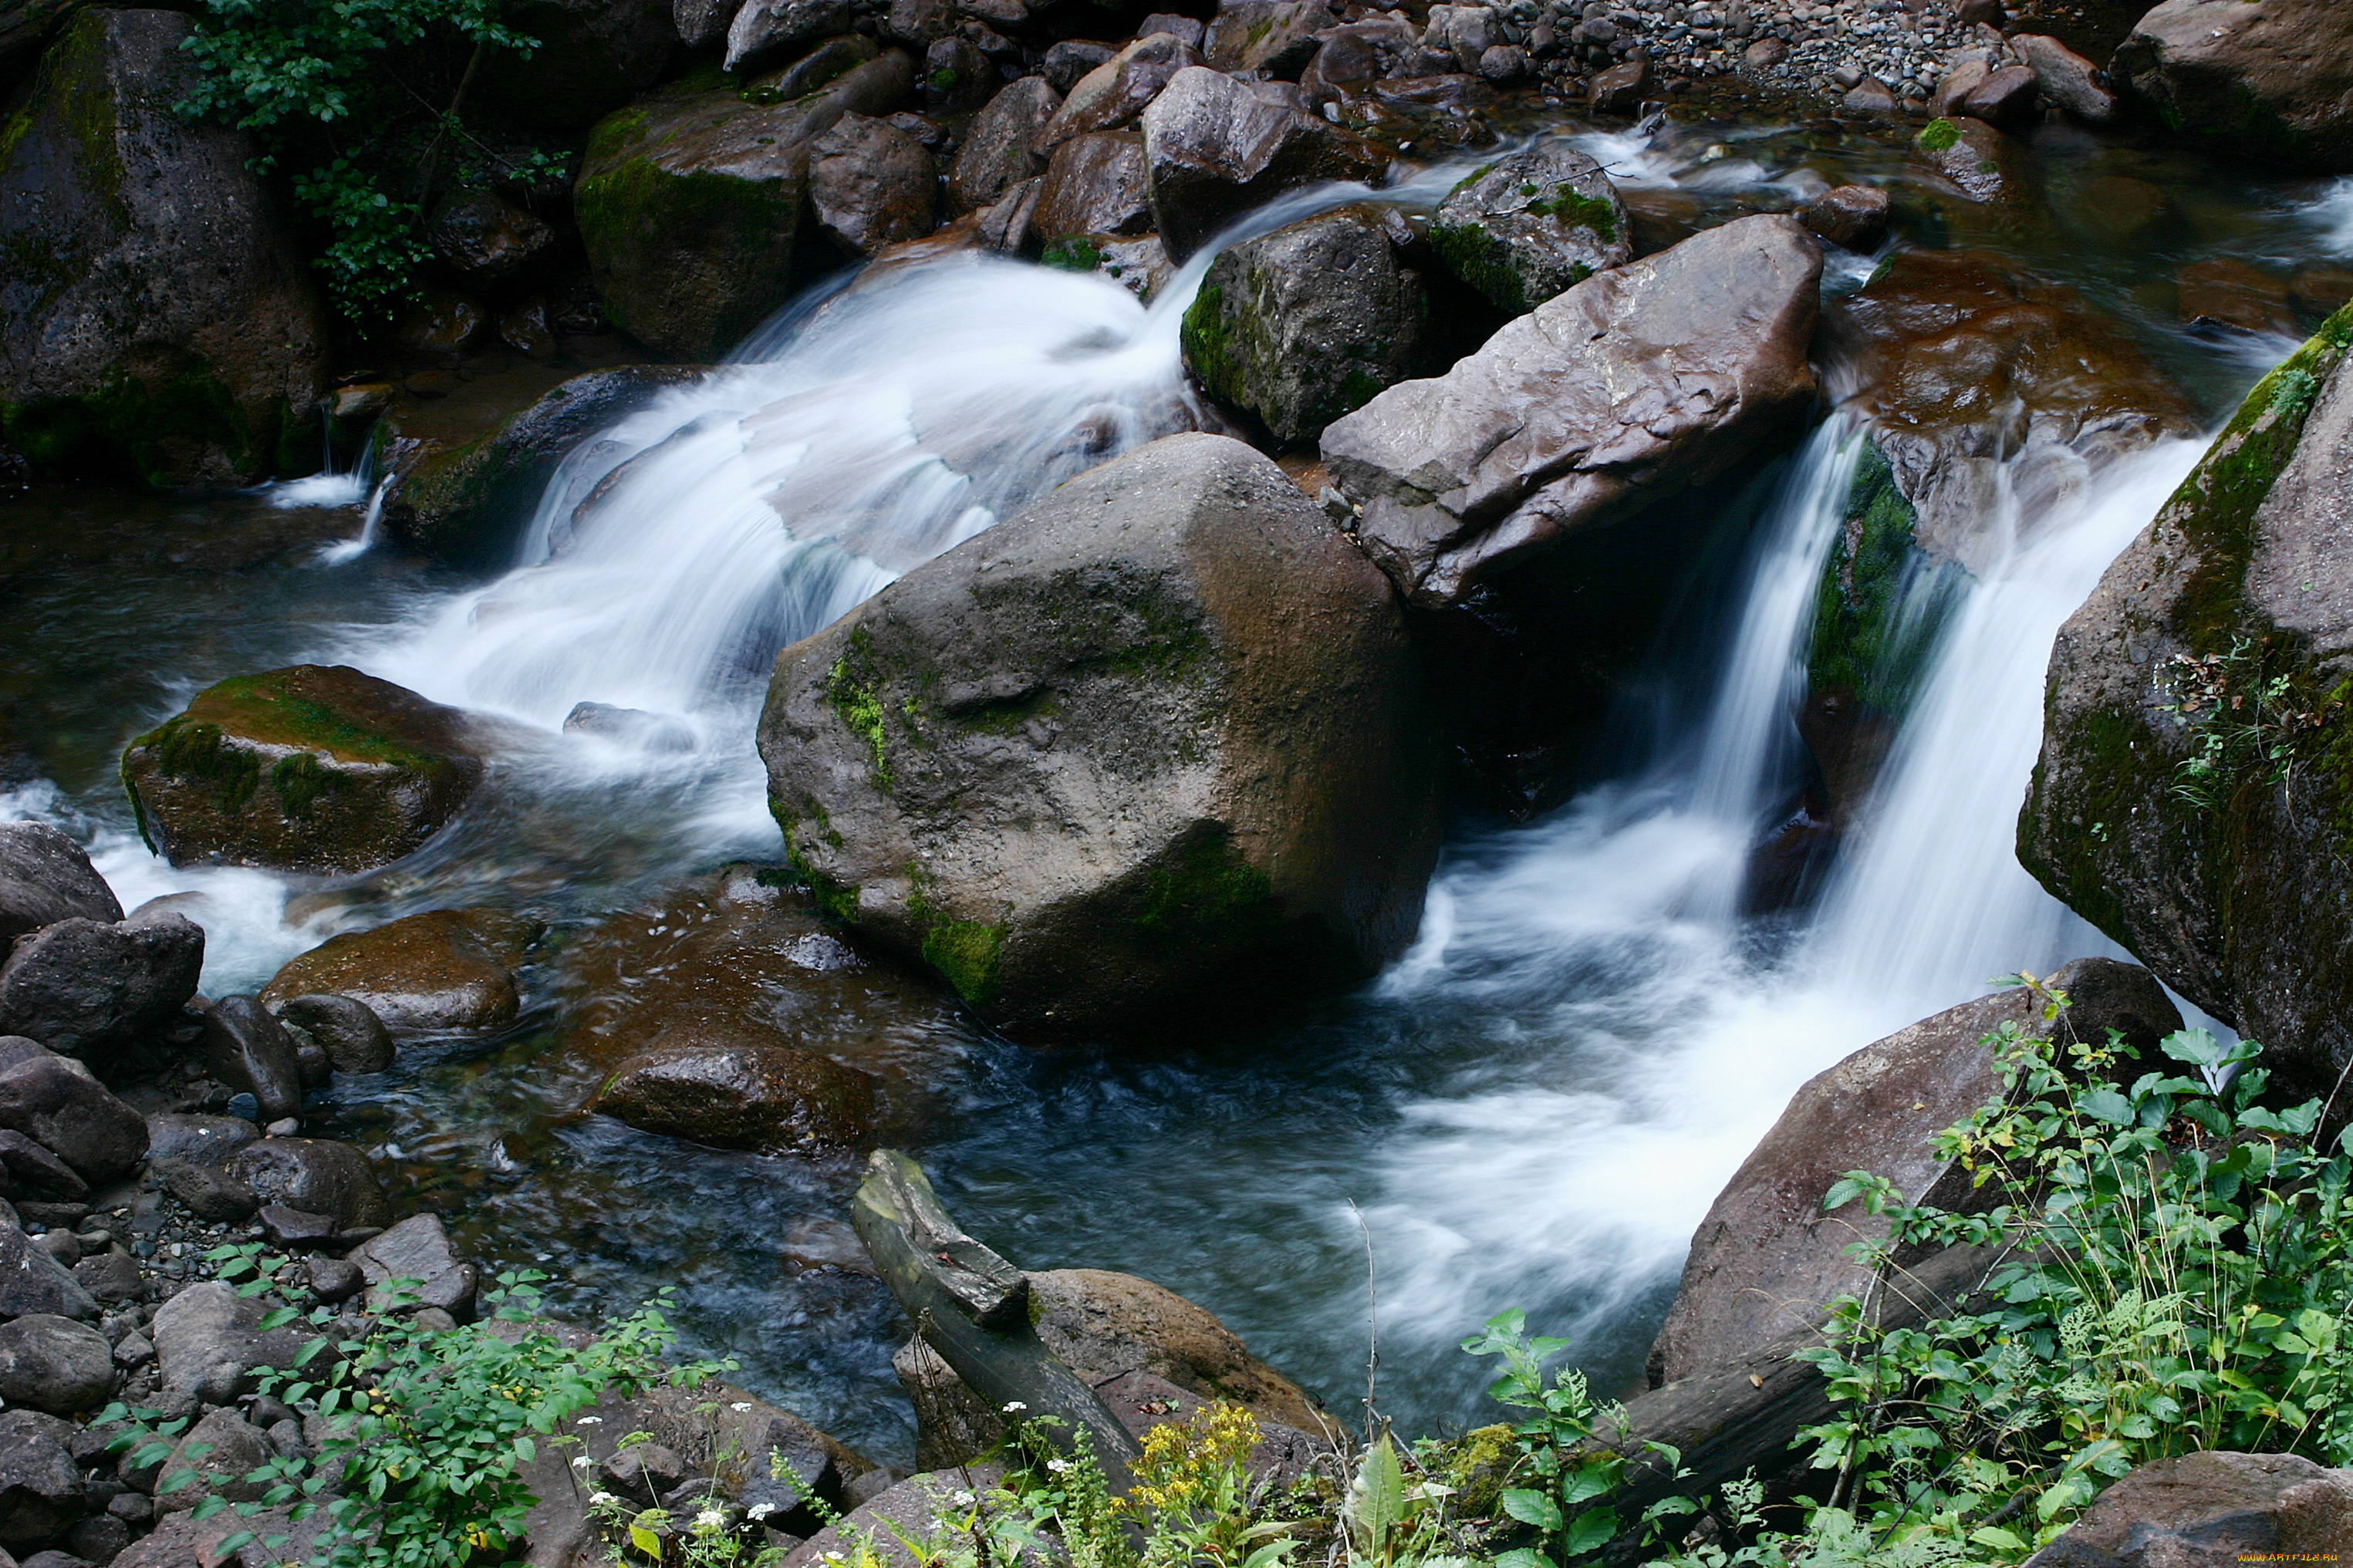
(292, 1228)
(284, 1127)
(133, 1351)
(334, 1279)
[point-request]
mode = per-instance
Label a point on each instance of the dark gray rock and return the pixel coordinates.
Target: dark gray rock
(348, 1030)
(33, 1169)
(765, 29)
(314, 1174)
(1136, 649)
(334, 1279)
(203, 1139)
(168, 322)
(74, 1118)
(1852, 217)
(111, 1278)
(97, 1540)
(2273, 84)
(54, 1364)
(45, 876)
(1637, 382)
(1111, 95)
(209, 1340)
(247, 1049)
(40, 1489)
(1094, 184)
(870, 184)
(86, 988)
(701, 23)
(2212, 1509)
(1767, 1262)
(486, 238)
(821, 65)
(221, 1451)
(211, 1194)
(1066, 64)
(1216, 149)
(1532, 224)
(740, 1086)
(1277, 36)
(32, 1281)
(1000, 146)
(1308, 323)
(412, 1267)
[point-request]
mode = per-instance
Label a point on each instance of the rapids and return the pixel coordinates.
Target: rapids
(1533, 1107)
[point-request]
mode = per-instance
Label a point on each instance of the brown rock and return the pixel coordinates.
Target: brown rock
(444, 971)
(1637, 381)
(2008, 99)
(998, 148)
(871, 184)
(1619, 89)
(1111, 95)
(2317, 291)
(1764, 54)
(813, 70)
(1978, 160)
(2222, 291)
(1852, 217)
(1766, 1261)
(741, 1088)
(1869, 97)
(442, 323)
(2068, 80)
(2267, 78)
(1095, 184)
(486, 238)
(2117, 209)
(2213, 1509)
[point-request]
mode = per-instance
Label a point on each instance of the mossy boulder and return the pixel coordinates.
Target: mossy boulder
(156, 319)
(316, 768)
(1307, 323)
(1528, 226)
(467, 502)
(2267, 78)
(2194, 794)
(1155, 747)
(443, 972)
(690, 204)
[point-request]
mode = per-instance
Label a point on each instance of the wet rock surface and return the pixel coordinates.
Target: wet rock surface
(89, 988)
(1531, 225)
(1000, 146)
(1629, 386)
(2270, 78)
(159, 318)
(740, 1088)
(45, 876)
(1215, 148)
(988, 674)
(441, 972)
(315, 768)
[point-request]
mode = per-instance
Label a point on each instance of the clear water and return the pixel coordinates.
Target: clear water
(1533, 1108)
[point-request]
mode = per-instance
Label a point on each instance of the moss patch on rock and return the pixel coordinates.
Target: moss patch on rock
(1881, 602)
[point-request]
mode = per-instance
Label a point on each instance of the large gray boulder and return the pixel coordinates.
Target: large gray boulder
(2211, 1509)
(32, 1281)
(1766, 1261)
(999, 148)
(316, 1175)
(2272, 78)
(1155, 744)
(89, 988)
(690, 204)
(1306, 323)
(209, 1342)
(1532, 224)
(59, 1106)
(1218, 148)
(763, 30)
(2189, 800)
(155, 312)
(47, 877)
(54, 1364)
(1631, 386)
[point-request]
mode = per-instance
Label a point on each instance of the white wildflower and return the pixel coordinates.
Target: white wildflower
(1014, 1408)
(602, 1500)
(965, 1500)
(833, 1557)
(740, 1406)
(710, 1518)
(1059, 1466)
(590, 1421)
(581, 1461)
(759, 1511)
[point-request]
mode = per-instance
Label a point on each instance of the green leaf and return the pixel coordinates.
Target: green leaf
(2108, 1105)
(1589, 1531)
(1532, 1508)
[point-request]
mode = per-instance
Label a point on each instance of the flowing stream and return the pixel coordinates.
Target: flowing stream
(1533, 1108)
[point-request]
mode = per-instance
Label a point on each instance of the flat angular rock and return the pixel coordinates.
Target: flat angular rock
(31, 1168)
(40, 1487)
(45, 876)
(1111, 95)
(316, 768)
(870, 184)
(1633, 384)
(1277, 36)
(444, 970)
(209, 1340)
(1766, 1261)
(199, 1139)
(741, 1088)
(1852, 217)
(1531, 225)
(85, 988)
(32, 1281)
(1307, 323)
(999, 147)
(1046, 761)
(1216, 149)
(211, 1194)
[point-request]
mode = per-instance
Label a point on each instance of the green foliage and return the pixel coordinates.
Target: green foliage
(1938, 135)
(428, 1426)
(338, 95)
(2249, 721)
(1080, 254)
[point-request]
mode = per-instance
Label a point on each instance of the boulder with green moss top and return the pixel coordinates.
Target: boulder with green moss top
(2270, 78)
(156, 319)
(316, 768)
(1155, 747)
(690, 204)
(2194, 794)
(1530, 224)
(1307, 323)
(468, 503)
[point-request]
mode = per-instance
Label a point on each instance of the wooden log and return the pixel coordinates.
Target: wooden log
(973, 1308)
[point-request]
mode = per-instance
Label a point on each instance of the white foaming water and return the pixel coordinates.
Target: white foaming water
(1611, 936)
(2331, 213)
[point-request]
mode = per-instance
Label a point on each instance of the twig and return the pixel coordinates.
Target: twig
(1372, 1327)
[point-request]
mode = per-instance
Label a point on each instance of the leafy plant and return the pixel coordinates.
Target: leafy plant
(2247, 719)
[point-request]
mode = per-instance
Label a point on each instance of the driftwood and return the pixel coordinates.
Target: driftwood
(1744, 1418)
(973, 1308)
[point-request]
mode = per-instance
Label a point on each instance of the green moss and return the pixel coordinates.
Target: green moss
(160, 423)
(836, 898)
(1938, 135)
(300, 780)
(942, 79)
(1881, 602)
(1079, 255)
(1208, 888)
(966, 953)
(850, 687)
(193, 751)
(270, 709)
(1482, 261)
(1574, 211)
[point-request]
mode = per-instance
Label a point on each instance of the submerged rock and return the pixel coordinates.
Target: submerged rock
(1767, 1262)
(1632, 386)
(1531, 225)
(1307, 323)
(316, 768)
(690, 206)
(1154, 745)
(1217, 148)
(47, 877)
(2268, 81)
(445, 971)
(158, 314)
(2188, 798)
(741, 1088)
(347, 1028)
